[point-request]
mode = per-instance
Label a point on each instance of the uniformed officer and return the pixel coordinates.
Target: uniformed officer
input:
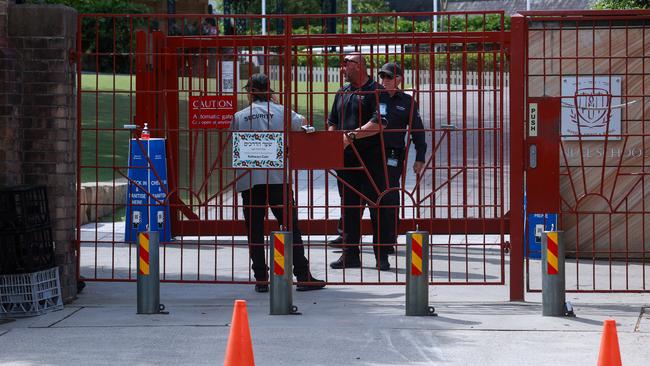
(403, 117)
(259, 186)
(359, 108)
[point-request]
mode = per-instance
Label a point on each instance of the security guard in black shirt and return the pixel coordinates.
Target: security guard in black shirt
(360, 109)
(403, 117)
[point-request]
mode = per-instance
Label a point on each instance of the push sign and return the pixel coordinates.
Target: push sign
(208, 112)
(532, 120)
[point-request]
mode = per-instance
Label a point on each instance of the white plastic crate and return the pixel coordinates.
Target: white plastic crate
(30, 294)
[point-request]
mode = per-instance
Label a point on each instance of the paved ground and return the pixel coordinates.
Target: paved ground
(340, 325)
(344, 325)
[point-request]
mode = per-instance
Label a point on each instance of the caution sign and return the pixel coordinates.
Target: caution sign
(551, 253)
(208, 112)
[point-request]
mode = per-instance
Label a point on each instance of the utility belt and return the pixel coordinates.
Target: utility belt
(394, 157)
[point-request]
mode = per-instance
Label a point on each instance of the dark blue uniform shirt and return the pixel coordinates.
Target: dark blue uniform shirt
(402, 113)
(354, 107)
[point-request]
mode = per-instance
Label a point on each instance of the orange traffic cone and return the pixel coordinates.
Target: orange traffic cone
(609, 355)
(240, 348)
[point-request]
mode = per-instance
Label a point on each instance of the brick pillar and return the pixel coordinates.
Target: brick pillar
(3, 19)
(43, 36)
(10, 98)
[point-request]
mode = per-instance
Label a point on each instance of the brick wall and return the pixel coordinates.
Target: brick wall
(10, 89)
(41, 37)
(3, 19)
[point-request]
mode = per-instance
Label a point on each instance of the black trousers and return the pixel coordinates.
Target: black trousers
(390, 201)
(339, 226)
(255, 202)
(354, 206)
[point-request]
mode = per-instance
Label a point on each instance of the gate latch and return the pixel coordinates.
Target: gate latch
(532, 156)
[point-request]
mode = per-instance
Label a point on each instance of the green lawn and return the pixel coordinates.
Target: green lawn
(108, 103)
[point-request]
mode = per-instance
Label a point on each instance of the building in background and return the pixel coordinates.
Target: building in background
(509, 6)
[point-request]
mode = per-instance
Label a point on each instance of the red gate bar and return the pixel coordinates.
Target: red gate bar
(592, 61)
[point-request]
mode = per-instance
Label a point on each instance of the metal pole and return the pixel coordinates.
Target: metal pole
(349, 17)
(417, 274)
(281, 273)
(553, 285)
(148, 273)
(435, 16)
(263, 17)
(171, 22)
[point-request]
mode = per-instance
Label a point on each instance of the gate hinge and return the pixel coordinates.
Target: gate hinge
(506, 247)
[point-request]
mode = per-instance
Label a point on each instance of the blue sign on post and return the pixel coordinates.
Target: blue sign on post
(141, 208)
(537, 223)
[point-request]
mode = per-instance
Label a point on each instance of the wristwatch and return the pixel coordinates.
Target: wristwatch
(352, 136)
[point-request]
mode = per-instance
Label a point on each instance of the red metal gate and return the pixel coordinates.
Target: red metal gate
(589, 73)
(458, 74)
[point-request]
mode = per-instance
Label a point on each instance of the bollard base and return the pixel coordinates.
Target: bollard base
(161, 310)
(432, 311)
(568, 310)
(429, 311)
(293, 310)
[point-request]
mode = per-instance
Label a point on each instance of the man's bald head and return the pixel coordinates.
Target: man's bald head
(355, 69)
(358, 58)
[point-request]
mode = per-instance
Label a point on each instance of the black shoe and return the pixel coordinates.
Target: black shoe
(81, 284)
(383, 264)
(347, 261)
(309, 283)
(262, 288)
(336, 243)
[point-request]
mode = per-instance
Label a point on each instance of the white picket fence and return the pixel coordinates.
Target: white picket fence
(412, 77)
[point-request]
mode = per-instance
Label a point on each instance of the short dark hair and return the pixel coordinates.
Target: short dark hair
(258, 86)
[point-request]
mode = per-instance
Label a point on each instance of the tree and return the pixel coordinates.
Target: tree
(622, 4)
(107, 36)
(99, 6)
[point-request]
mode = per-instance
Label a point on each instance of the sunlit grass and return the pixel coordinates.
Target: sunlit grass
(108, 103)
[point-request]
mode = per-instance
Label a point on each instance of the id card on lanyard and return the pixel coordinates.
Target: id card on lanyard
(392, 159)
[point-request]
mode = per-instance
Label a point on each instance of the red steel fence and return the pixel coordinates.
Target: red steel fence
(470, 75)
(594, 64)
(165, 70)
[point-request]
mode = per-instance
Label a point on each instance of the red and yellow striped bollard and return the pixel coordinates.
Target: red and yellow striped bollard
(417, 274)
(282, 273)
(148, 273)
(553, 281)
